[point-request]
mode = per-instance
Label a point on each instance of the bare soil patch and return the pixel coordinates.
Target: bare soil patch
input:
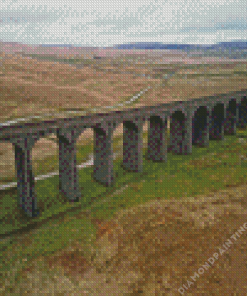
(153, 249)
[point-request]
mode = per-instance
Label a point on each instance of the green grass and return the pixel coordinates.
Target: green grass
(47, 190)
(205, 170)
(241, 72)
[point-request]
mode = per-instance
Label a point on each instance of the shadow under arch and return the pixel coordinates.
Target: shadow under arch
(200, 127)
(177, 132)
(230, 123)
(217, 118)
(103, 155)
(157, 144)
(242, 113)
(133, 145)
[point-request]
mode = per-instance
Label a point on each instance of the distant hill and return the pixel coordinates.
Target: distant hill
(235, 49)
(56, 45)
(233, 45)
(154, 45)
(66, 45)
(159, 45)
(138, 45)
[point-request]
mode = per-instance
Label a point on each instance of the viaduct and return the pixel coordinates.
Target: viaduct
(192, 122)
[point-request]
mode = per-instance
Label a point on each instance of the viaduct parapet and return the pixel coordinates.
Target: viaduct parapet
(192, 122)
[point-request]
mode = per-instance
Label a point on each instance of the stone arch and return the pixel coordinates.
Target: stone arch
(231, 118)
(118, 138)
(216, 128)
(133, 145)
(177, 120)
(68, 173)
(242, 115)
(7, 161)
(200, 127)
(103, 154)
(23, 146)
(157, 147)
(145, 131)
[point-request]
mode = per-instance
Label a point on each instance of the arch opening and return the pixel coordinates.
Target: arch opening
(200, 127)
(216, 129)
(133, 146)
(177, 131)
(231, 118)
(242, 119)
(157, 145)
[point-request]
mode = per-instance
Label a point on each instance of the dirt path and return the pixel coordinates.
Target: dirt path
(155, 249)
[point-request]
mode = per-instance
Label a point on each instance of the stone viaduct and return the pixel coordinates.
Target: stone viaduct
(192, 122)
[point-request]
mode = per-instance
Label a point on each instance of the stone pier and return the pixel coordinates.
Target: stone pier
(132, 145)
(192, 122)
(27, 199)
(157, 146)
(68, 175)
(103, 155)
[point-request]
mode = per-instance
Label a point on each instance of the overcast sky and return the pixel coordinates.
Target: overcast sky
(110, 22)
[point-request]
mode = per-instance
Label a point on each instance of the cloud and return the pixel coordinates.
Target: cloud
(111, 22)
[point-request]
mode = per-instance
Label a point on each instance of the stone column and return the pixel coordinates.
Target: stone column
(203, 139)
(27, 199)
(132, 145)
(68, 175)
(231, 119)
(237, 115)
(181, 133)
(187, 134)
(175, 144)
(157, 147)
(216, 130)
(242, 113)
(103, 155)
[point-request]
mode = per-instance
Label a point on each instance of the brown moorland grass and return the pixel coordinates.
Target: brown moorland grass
(31, 87)
(23, 77)
(150, 249)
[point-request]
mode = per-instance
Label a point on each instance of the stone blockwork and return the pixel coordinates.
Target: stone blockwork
(192, 122)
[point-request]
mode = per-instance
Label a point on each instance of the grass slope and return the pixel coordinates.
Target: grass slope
(223, 164)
